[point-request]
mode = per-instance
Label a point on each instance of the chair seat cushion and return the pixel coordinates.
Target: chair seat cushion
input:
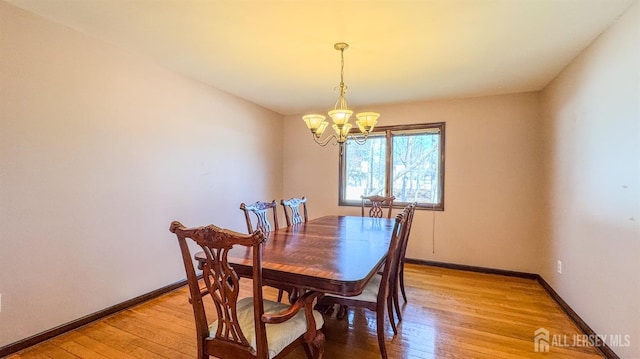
(370, 292)
(279, 336)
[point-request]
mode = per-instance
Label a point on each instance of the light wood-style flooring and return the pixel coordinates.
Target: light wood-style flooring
(450, 314)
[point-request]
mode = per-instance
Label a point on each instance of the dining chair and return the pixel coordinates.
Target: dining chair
(293, 216)
(377, 296)
(261, 209)
(250, 327)
(292, 205)
(399, 280)
(377, 204)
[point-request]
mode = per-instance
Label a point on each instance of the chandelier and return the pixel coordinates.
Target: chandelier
(340, 115)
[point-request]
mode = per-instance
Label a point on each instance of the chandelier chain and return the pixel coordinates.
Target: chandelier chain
(341, 103)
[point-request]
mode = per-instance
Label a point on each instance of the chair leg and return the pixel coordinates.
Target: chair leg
(280, 291)
(380, 325)
(318, 345)
(404, 295)
(308, 350)
(396, 301)
(315, 348)
(392, 319)
(342, 312)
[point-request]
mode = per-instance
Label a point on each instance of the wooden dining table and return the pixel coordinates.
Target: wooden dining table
(330, 254)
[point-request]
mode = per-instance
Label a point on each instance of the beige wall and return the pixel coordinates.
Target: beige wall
(491, 216)
(99, 151)
(591, 127)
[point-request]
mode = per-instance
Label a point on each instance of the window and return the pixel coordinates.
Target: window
(402, 161)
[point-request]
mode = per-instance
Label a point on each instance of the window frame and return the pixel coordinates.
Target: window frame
(387, 131)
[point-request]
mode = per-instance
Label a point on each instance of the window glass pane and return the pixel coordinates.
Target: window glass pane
(413, 166)
(365, 168)
(415, 172)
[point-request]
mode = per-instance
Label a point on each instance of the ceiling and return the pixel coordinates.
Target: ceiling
(279, 54)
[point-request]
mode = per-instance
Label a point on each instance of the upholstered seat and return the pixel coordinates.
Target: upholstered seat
(370, 292)
(279, 336)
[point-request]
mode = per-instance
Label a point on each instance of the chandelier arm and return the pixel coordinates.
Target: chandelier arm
(326, 140)
(360, 141)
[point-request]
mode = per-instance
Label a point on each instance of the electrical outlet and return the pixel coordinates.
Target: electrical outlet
(559, 267)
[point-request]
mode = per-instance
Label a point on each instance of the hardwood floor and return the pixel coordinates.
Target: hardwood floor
(450, 314)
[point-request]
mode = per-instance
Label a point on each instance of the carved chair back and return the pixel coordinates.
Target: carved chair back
(222, 285)
(239, 331)
(377, 204)
(261, 209)
(292, 206)
(411, 208)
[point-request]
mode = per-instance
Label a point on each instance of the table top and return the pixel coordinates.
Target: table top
(331, 254)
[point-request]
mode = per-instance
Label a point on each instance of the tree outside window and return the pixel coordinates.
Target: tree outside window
(402, 161)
